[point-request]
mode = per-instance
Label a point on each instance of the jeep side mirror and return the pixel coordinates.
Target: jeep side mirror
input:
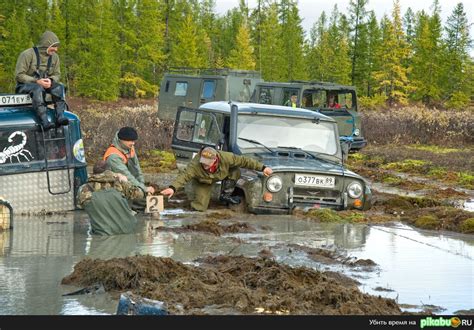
(345, 146)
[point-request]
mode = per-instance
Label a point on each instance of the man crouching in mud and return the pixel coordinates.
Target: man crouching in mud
(210, 166)
(104, 198)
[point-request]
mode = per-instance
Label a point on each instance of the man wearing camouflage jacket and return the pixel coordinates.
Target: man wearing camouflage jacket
(210, 166)
(104, 198)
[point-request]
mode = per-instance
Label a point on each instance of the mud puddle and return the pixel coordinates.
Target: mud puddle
(40, 251)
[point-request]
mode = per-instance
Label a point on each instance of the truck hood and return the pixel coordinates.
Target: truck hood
(299, 164)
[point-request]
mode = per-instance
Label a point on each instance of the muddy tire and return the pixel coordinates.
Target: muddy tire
(240, 208)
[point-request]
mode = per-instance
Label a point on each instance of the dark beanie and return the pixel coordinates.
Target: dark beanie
(128, 134)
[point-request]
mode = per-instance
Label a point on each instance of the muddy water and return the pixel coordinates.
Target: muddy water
(415, 267)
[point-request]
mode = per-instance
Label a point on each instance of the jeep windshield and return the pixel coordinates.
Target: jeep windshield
(328, 100)
(274, 131)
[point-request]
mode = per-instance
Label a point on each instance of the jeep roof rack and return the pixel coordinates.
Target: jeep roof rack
(210, 71)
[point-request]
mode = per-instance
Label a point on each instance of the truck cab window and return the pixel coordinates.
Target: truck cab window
(181, 88)
(208, 89)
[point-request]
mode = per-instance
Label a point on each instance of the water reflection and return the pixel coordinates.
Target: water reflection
(418, 265)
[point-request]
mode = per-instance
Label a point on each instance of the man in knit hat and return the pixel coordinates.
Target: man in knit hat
(210, 166)
(122, 158)
(38, 72)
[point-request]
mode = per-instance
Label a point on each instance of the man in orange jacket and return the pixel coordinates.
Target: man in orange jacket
(122, 158)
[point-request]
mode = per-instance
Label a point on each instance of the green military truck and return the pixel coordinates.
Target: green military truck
(336, 101)
(191, 87)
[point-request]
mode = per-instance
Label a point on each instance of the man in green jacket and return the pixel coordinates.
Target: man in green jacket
(210, 166)
(104, 198)
(38, 72)
(122, 158)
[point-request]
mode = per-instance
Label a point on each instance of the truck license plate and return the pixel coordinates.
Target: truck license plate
(314, 180)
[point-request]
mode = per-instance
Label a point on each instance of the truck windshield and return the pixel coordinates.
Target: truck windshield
(275, 131)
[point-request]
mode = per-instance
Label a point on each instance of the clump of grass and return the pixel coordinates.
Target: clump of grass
(409, 166)
(158, 161)
(467, 226)
(433, 148)
(324, 215)
(466, 180)
(409, 203)
(355, 217)
(427, 222)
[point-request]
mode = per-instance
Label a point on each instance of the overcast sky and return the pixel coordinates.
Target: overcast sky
(310, 10)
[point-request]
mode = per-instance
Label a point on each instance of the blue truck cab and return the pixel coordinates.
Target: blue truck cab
(40, 171)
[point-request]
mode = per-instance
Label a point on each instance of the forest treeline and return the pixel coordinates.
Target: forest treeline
(121, 48)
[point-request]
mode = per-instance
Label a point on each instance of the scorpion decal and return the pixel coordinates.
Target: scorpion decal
(15, 150)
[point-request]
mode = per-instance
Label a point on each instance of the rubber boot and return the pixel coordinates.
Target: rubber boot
(42, 112)
(227, 189)
(60, 118)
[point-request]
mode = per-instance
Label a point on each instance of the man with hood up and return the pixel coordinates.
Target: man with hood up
(37, 73)
(122, 158)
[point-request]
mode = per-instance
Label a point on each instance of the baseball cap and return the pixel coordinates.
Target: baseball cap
(208, 156)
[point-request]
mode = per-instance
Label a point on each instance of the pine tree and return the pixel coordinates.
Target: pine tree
(241, 57)
(255, 21)
(427, 57)
(209, 32)
(340, 62)
(16, 39)
(408, 25)
(271, 46)
(320, 52)
(358, 39)
(392, 75)
(228, 25)
(458, 71)
(148, 49)
(373, 61)
(175, 13)
(38, 18)
(293, 41)
(184, 52)
(3, 35)
(96, 69)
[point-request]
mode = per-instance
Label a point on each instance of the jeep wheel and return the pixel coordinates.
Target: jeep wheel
(240, 208)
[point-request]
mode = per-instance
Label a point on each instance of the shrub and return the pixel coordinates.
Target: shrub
(100, 122)
(132, 86)
(419, 125)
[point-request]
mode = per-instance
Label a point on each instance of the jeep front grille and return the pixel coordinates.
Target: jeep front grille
(314, 196)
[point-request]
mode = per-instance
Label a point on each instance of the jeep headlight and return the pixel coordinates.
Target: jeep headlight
(355, 190)
(356, 132)
(274, 184)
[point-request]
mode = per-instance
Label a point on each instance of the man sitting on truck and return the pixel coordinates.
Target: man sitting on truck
(37, 73)
(104, 198)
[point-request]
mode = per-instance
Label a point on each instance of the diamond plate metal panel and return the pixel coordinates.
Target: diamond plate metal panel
(28, 192)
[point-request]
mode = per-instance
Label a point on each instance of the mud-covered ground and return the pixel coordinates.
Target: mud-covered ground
(423, 186)
(236, 283)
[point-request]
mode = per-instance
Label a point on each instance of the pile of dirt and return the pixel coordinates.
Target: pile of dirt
(247, 285)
